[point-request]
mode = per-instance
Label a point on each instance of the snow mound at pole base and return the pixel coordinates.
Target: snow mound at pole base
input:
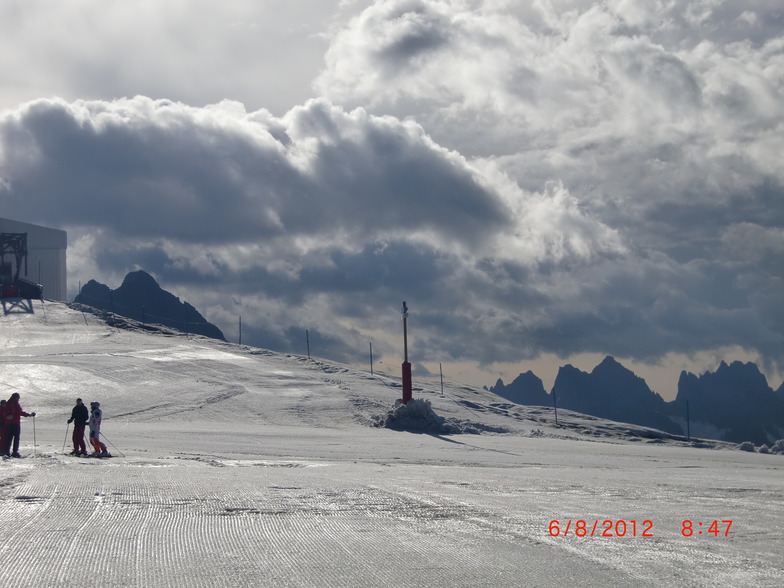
(418, 416)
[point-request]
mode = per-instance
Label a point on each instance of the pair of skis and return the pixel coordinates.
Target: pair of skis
(65, 440)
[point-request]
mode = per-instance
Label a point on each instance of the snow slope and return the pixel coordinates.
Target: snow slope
(236, 466)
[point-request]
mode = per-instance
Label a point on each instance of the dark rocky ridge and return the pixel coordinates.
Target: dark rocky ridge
(735, 400)
(141, 298)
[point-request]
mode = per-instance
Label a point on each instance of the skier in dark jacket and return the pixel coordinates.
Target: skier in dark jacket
(13, 413)
(79, 417)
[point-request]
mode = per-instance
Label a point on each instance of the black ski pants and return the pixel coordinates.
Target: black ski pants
(12, 431)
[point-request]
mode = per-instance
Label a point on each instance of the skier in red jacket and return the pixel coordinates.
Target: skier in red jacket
(13, 425)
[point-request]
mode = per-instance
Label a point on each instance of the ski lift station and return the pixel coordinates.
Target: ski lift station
(32, 261)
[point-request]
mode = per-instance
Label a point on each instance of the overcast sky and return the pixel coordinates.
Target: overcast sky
(541, 181)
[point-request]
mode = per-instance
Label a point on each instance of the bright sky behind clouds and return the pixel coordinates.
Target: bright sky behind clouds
(551, 178)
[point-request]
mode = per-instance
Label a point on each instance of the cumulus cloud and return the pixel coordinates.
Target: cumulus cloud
(569, 77)
(317, 178)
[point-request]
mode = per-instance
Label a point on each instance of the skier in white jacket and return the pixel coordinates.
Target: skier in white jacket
(95, 430)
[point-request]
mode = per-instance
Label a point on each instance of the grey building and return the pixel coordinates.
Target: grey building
(45, 260)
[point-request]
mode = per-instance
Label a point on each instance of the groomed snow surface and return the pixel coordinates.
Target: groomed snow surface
(236, 466)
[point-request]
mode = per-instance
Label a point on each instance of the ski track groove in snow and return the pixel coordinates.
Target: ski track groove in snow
(133, 526)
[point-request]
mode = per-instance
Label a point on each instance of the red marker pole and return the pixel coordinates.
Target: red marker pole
(406, 365)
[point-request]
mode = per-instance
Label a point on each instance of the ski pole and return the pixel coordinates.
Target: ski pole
(112, 444)
(35, 442)
(68, 426)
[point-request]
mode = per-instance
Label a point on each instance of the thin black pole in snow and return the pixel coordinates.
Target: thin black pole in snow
(240, 330)
(688, 425)
(441, 371)
(307, 341)
(555, 407)
(113, 445)
(66, 435)
(371, 358)
(405, 332)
